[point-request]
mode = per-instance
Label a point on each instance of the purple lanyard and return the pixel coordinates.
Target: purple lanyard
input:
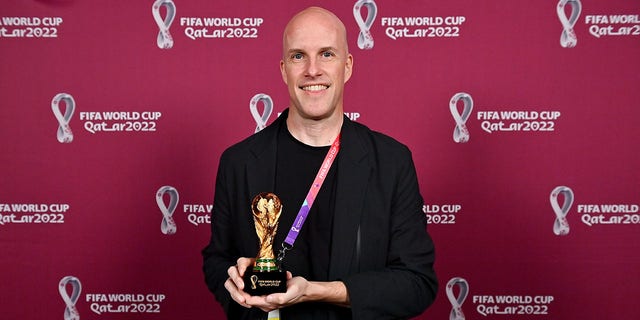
(309, 199)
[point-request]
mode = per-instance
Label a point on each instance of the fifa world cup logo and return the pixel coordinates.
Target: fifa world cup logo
(64, 133)
(165, 41)
(70, 311)
(460, 132)
(561, 224)
(568, 37)
(456, 302)
(365, 39)
(261, 119)
(168, 225)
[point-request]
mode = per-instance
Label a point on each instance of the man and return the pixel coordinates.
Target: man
(363, 252)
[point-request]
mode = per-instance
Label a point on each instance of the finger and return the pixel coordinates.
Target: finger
(233, 272)
(234, 276)
(237, 295)
(243, 264)
(277, 299)
(295, 290)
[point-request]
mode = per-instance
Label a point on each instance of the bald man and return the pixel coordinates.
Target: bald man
(363, 251)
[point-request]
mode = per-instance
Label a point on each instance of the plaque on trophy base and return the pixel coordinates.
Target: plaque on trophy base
(258, 283)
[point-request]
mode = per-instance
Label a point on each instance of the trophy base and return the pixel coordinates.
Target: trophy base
(258, 283)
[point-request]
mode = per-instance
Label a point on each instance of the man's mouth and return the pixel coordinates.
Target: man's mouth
(315, 87)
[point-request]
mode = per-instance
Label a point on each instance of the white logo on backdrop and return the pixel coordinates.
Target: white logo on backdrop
(168, 225)
(64, 130)
(460, 133)
(365, 39)
(70, 311)
(261, 119)
(165, 41)
(568, 38)
(561, 224)
(456, 302)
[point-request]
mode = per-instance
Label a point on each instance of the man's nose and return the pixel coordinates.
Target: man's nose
(314, 68)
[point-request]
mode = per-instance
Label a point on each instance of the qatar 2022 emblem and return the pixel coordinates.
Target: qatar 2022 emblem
(261, 119)
(365, 39)
(456, 302)
(561, 224)
(164, 39)
(568, 38)
(460, 132)
(70, 310)
(168, 225)
(64, 133)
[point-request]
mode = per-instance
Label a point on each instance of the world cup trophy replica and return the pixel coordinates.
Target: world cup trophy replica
(266, 277)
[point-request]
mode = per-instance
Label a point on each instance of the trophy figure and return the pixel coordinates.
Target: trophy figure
(266, 276)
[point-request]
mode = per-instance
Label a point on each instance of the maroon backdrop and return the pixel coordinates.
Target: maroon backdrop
(530, 180)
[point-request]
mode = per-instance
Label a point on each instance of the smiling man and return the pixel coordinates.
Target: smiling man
(361, 250)
(315, 66)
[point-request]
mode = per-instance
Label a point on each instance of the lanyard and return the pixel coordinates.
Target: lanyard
(309, 199)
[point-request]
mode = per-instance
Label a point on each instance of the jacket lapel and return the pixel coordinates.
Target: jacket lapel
(261, 169)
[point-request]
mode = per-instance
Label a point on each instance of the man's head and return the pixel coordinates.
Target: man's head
(316, 63)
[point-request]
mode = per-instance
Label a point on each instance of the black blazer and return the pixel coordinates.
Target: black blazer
(380, 247)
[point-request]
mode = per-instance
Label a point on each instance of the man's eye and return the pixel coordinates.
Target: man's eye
(327, 54)
(297, 56)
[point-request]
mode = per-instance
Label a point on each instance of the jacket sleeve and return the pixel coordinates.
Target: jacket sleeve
(218, 254)
(399, 282)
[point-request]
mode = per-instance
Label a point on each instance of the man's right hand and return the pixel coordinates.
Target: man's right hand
(235, 283)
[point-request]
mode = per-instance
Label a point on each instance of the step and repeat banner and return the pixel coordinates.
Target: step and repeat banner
(522, 118)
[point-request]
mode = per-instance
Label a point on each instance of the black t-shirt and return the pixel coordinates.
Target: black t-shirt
(297, 166)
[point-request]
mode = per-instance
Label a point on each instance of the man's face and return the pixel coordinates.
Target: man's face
(315, 66)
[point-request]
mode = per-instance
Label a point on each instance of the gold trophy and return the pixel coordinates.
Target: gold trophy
(266, 277)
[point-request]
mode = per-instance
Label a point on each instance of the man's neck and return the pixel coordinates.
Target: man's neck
(317, 133)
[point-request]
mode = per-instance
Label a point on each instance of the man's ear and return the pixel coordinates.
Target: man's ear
(283, 72)
(348, 68)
